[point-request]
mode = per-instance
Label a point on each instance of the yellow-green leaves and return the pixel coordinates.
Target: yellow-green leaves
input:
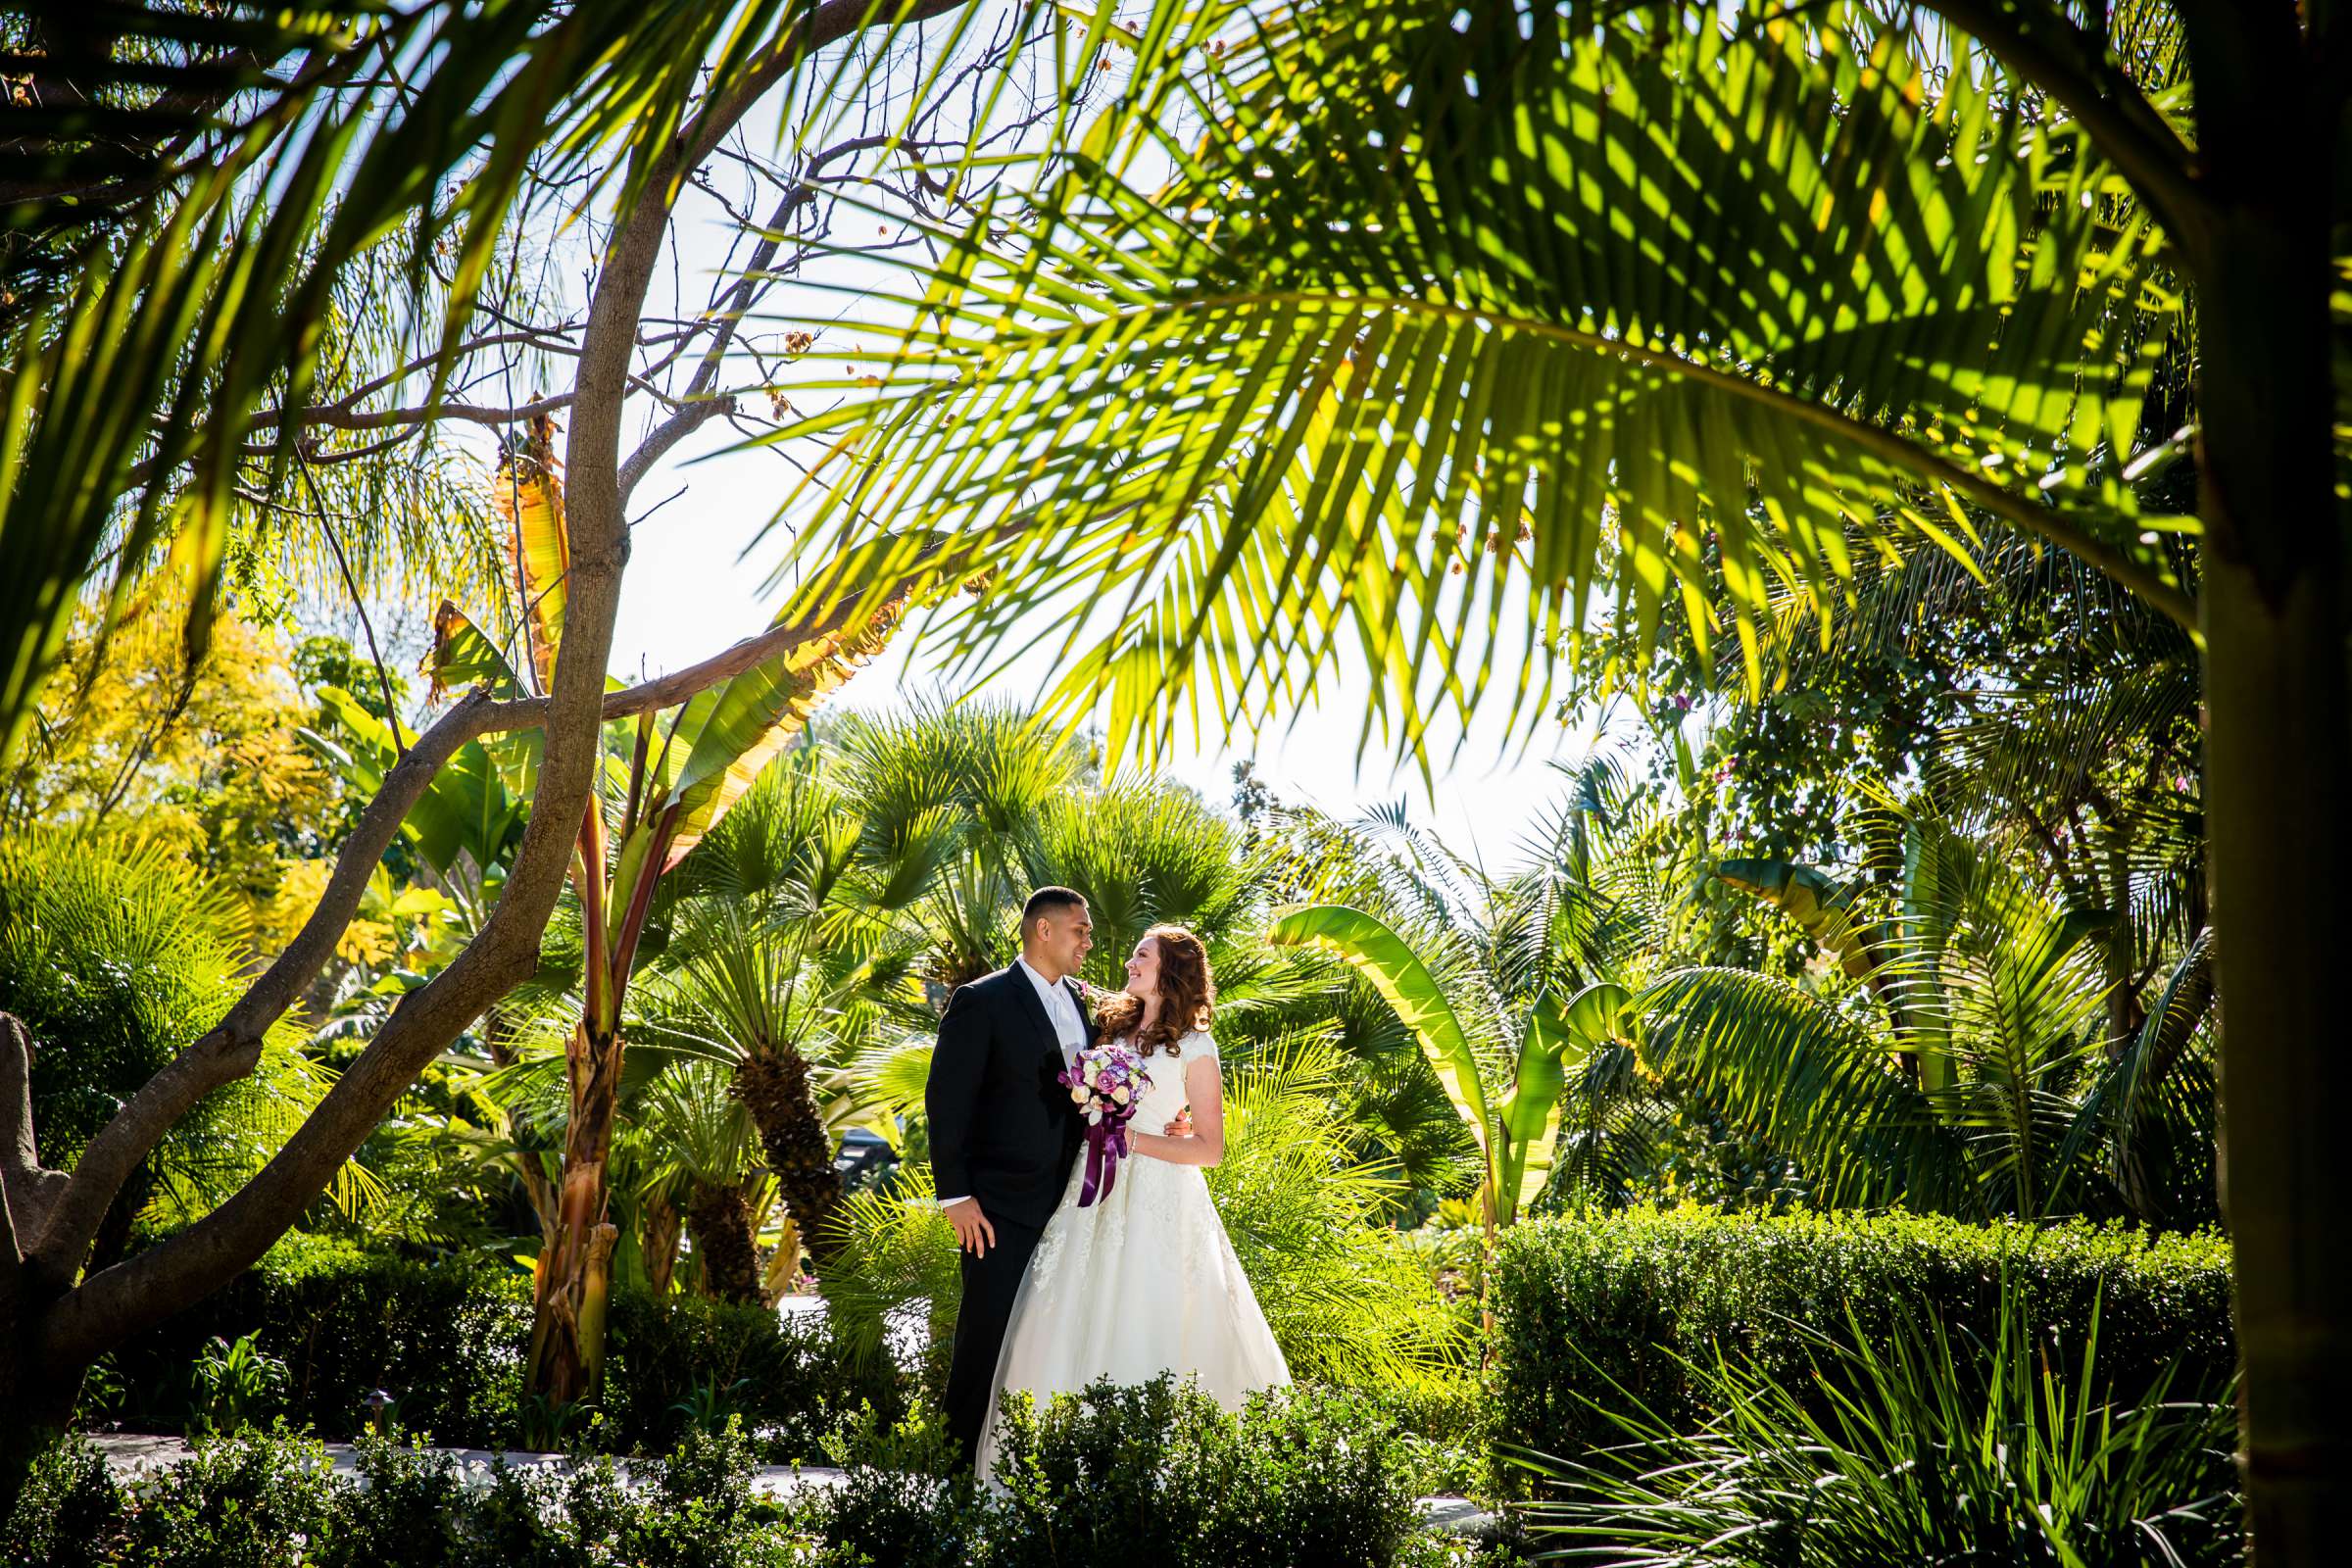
(1511, 319)
(1393, 969)
(1814, 900)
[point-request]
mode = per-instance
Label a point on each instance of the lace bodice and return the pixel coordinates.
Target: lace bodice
(1167, 1094)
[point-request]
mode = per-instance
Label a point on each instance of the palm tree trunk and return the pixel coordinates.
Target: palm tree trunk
(2278, 755)
(574, 1274)
(775, 1088)
(721, 1223)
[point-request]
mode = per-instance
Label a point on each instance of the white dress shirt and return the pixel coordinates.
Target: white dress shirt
(1062, 1012)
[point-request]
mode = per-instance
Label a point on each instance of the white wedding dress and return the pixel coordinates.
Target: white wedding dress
(1143, 1281)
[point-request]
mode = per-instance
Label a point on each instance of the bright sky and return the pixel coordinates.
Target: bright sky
(691, 590)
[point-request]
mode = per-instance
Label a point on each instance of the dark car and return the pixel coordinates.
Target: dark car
(864, 1155)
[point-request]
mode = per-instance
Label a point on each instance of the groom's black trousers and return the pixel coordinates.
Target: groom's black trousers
(990, 1284)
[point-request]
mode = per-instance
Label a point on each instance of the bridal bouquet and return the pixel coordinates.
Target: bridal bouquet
(1106, 1083)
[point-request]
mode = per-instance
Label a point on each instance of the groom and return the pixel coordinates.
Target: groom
(1003, 1132)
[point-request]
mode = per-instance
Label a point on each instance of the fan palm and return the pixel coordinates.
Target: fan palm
(784, 1015)
(946, 793)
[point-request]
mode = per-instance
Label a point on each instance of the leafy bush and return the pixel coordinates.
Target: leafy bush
(254, 1500)
(1157, 1477)
(1948, 1450)
(1609, 1312)
(262, 1499)
(69, 1514)
(678, 1363)
(446, 1339)
(1154, 1477)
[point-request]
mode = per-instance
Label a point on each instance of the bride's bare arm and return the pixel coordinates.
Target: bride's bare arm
(1206, 1145)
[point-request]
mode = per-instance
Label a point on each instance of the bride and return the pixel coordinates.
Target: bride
(1143, 1281)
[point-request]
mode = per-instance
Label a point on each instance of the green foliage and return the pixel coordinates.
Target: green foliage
(1151, 1477)
(1592, 1311)
(445, 1338)
(69, 1514)
(786, 1385)
(1155, 1477)
(1348, 1299)
(232, 1386)
(258, 1500)
(1576, 293)
(267, 1501)
(1974, 1072)
(1941, 1445)
(117, 954)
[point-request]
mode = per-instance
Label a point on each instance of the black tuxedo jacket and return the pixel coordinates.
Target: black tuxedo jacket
(1002, 1129)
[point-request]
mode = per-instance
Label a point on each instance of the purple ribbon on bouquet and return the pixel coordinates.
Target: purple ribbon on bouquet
(1105, 1146)
(1107, 1083)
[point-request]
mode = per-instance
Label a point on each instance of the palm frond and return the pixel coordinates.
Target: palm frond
(1434, 312)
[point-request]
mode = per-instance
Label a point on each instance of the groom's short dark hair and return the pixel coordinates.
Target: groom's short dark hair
(1049, 901)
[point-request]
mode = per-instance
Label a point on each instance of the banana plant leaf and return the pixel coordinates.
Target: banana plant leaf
(1395, 971)
(464, 655)
(530, 497)
(468, 809)
(1816, 901)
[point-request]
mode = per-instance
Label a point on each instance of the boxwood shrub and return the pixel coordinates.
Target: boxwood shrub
(446, 1336)
(1154, 1477)
(1593, 1310)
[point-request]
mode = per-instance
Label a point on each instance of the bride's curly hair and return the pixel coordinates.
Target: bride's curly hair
(1187, 996)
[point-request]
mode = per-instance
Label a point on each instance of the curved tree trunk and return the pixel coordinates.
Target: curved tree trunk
(775, 1088)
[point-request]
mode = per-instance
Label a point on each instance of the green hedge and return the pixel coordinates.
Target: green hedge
(1585, 1302)
(1154, 1477)
(447, 1338)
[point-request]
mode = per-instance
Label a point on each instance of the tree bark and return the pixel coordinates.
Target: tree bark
(564, 1366)
(775, 1090)
(721, 1224)
(2279, 752)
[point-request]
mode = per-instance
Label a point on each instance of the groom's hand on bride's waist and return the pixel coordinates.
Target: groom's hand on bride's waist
(973, 1233)
(1181, 1126)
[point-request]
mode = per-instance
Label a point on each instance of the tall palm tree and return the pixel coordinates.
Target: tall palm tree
(1581, 281)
